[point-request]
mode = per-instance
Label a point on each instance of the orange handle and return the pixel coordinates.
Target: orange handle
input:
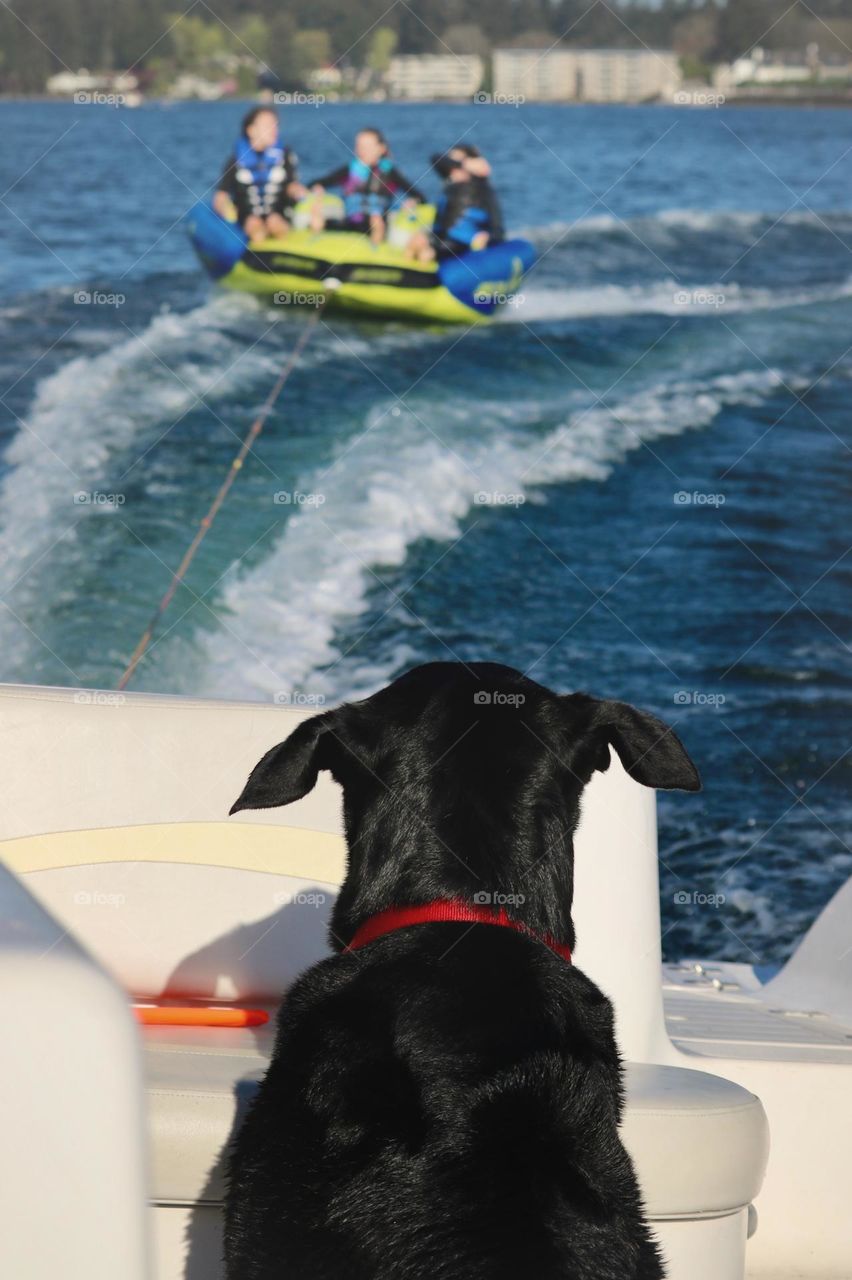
(172, 1016)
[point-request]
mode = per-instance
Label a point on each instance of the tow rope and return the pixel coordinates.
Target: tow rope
(203, 528)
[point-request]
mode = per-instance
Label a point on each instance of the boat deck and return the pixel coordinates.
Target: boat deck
(719, 1011)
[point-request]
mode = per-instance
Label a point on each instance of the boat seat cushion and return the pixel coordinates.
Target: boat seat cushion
(699, 1142)
(192, 910)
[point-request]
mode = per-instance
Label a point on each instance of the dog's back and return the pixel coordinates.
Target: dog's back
(443, 1102)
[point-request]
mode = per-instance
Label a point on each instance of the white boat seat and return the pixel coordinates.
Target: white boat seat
(115, 817)
(699, 1142)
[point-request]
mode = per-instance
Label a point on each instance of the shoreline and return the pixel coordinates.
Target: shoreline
(777, 99)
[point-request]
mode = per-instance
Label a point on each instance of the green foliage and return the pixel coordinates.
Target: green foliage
(253, 38)
(280, 53)
(246, 80)
(196, 43)
(41, 37)
(311, 49)
(693, 68)
(381, 48)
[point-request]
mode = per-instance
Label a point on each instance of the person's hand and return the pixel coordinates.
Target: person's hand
(222, 203)
(377, 228)
(276, 225)
(255, 227)
(480, 240)
(478, 166)
(419, 248)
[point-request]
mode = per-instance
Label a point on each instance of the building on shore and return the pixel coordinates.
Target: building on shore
(568, 74)
(425, 77)
(65, 83)
(783, 67)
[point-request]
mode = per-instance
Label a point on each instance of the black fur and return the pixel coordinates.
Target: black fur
(443, 1103)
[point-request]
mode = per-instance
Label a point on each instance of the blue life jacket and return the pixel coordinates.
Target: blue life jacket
(261, 172)
(467, 223)
(367, 190)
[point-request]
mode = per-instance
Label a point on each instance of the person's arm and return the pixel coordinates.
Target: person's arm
(226, 195)
(228, 180)
(334, 179)
(464, 217)
(403, 188)
(478, 166)
(496, 230)
(291, 188)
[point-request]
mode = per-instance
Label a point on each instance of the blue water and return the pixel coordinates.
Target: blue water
(687, 332)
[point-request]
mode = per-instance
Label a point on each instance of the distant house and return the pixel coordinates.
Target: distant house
(783, 67)
(569, 74)
(758, 67)
(328, 77)
(191, 86)
(835, 66)
(66, 83)
(429, 76)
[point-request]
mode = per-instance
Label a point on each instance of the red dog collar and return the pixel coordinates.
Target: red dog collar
(446, 909)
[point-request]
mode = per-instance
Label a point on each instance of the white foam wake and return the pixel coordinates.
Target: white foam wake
(671, 224)
(93, 423)
(283, 618)
(663, 297)
(90, 421)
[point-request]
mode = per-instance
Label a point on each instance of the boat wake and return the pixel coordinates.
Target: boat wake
(661, 297)
(135, 415)
(663, 263)
(410, 479)
(700, 230)
(93, 421)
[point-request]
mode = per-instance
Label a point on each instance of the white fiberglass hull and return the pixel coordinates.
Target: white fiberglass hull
(115, 830)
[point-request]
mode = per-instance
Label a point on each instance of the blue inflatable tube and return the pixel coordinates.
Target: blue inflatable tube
(346, 270)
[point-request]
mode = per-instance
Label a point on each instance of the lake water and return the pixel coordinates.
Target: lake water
(664, 415)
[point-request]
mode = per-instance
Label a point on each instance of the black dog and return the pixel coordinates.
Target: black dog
(443, 1101)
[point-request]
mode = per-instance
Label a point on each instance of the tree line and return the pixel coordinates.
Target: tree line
(41, 37)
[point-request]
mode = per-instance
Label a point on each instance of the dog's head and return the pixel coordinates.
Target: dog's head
(464, 779)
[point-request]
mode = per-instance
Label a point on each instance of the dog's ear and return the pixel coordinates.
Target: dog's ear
(289, 771)
(650, 751)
